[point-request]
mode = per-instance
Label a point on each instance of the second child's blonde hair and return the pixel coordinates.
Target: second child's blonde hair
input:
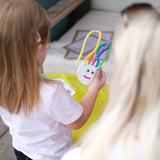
(20, 23)
(131, 121)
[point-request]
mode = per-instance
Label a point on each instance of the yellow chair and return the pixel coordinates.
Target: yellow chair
(80, 90)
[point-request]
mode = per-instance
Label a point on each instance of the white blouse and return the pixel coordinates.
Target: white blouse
(43, 135)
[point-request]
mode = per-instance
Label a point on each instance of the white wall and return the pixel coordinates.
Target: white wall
(118, 5)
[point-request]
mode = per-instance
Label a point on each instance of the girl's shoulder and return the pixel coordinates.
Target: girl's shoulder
(52, 88)
(48, 83)
(58, 85)
(49, 87)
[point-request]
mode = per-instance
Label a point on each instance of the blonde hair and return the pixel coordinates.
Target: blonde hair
(20, 23)
(132, 116)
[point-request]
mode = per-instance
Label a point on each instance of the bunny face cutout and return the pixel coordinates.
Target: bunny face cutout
(85, 73)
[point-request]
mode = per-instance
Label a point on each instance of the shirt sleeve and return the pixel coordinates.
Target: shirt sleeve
(64, 108)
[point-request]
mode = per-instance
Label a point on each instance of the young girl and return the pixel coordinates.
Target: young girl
(39, 112)
(129, 128)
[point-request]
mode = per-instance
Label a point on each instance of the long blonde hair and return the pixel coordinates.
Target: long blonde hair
(132, 116)
(20, 23)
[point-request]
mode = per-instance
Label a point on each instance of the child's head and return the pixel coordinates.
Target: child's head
(129, 12)
(135, 91)
(22, 23)
(137, 53)
(131, 118)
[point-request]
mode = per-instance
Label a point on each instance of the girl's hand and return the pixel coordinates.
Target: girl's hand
(98, 81)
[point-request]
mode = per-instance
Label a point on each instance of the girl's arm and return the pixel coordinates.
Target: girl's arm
(89, 99)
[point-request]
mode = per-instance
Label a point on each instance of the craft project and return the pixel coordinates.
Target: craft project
(85, 72)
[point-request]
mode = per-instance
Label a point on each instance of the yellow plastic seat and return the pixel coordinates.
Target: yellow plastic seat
(80, 90)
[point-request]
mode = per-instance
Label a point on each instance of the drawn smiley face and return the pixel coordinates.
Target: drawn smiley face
(85, 73)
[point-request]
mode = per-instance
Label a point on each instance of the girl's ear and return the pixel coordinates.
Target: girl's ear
(41, 53)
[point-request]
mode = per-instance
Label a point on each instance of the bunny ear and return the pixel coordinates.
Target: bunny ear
(99, 52)
(84, 43)
(105, 46)
(100, 63)
(38, 37)
(91, 57)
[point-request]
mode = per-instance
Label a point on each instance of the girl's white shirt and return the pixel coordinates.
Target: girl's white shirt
(43, 135)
